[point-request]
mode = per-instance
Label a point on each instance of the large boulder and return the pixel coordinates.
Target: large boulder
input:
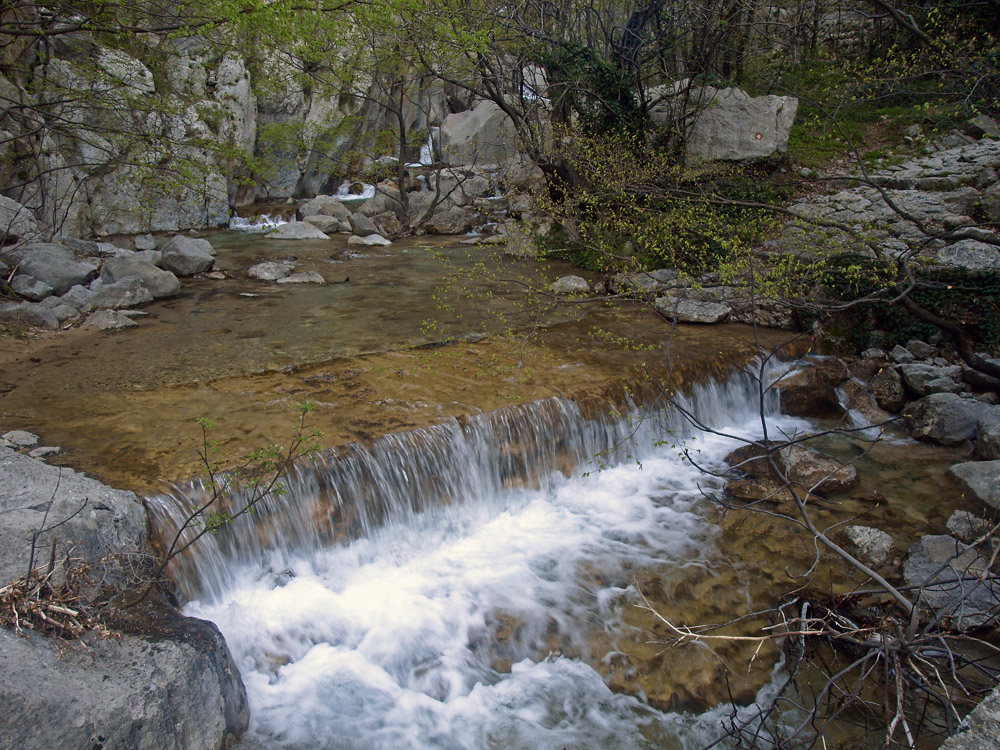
(296, 230)
(970, 255)
(731, 125)
(923, 380)
(684, 309)
(988, 435)
(325, 205)
(361, 225)
(981, 480)
(159, 282)
(456, 220)
(128, 292)
(94, 521)
(186, 256)
(177, 690)
(944, 418)
(51, 263)
(153, 679)
(480, 136)
(808, 472)
(811, 391)
(16, 221)
(28, 314)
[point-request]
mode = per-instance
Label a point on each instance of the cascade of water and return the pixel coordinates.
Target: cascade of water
(348, 493)
(406, 595)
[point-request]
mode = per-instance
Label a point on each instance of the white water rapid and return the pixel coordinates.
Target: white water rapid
(445, 588)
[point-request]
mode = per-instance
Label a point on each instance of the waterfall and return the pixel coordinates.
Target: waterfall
(444, 587)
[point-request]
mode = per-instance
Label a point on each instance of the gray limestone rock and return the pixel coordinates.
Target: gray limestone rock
(145, 242)
(921, 349)
(185, 256)
(128, 292)
(370, 239)
(989, 204)
(16, 221)
(980, 729)
(326, 224)
(50, 263)
(981, 479)
(923, 380)
(29, 314)
(268, 271)
(970, 255)
(325, 205)
(988, 435)
(31, 288)
(109, 320)
(944, 418)
(950, 573)
(159, 282)
(901, 355)
(871, 546)
(689, 310)
(177, 690)
(570, 285)
(97, 521)
(361, 225)
(966, 526)
(887, 389)
(21, 438)
(76, 297)
(296, 230)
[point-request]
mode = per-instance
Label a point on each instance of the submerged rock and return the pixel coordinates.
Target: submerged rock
(308, 277)
(570, 285)
(871, 546)
(951, 576)
(109, 320)
(268, 271)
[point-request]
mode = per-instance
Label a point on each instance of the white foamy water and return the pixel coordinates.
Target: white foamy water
(391, 640)
(260, 223)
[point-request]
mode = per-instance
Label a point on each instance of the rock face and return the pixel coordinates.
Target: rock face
(50, 263)
(159, 282)
(185, 256)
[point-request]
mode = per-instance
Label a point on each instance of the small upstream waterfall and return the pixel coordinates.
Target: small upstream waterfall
(445, 587)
